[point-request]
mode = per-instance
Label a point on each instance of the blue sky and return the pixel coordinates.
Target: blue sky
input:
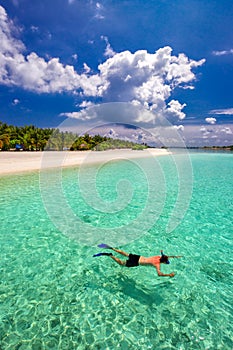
(173, 58)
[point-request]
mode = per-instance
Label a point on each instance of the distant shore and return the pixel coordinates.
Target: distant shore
(18, 162)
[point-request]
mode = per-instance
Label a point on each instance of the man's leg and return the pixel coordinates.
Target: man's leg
(120, 252)
(118, 261)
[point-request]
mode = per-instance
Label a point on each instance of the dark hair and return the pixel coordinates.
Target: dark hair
(164, 259)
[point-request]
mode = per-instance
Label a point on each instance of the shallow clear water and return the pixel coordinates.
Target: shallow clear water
(54, 295)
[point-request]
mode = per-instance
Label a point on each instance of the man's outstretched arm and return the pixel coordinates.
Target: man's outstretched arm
(172, 274)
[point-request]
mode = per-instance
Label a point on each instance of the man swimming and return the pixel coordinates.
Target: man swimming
(136, 260)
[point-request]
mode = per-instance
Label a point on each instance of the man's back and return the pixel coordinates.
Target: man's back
(152, 260)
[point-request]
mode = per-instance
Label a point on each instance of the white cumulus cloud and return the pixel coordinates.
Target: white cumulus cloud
(99, 9)
(149, 79)
(15, 102)
(226, 130)
(34, 73)
(219, 135)
(146, 79)
(179, 127)
(210, 120)
(109, 52)
(111, 133)
(85, 104)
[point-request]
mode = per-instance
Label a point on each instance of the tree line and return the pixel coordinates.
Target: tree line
(31, 138)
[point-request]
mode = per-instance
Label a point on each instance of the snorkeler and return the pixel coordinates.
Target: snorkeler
(136, 260)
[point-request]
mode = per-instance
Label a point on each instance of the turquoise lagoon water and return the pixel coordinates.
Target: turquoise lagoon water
(54, 295)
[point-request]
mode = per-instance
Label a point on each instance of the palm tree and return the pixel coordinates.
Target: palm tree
(4, 142)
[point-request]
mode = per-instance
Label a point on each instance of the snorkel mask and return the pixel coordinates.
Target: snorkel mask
(162, 254)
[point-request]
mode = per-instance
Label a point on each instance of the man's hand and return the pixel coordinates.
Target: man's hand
(172, 274)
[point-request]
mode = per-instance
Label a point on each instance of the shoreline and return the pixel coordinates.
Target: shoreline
(20, 162)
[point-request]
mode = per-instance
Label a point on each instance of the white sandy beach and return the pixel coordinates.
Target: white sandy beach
(17, 162)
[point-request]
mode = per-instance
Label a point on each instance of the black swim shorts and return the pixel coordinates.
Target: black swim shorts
(132, 260)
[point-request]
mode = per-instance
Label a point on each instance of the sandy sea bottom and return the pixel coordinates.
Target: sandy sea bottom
(55, 295)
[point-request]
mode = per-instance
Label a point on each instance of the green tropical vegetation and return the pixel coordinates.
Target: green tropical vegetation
(219, 147)
(31, 138)
(28, 138)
